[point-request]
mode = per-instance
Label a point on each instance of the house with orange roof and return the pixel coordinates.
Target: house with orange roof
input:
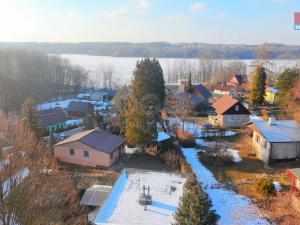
(230, 113)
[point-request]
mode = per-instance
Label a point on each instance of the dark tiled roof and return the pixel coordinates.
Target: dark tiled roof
(194, 98)
(76, 106)
(52, 116)
(203, 90)
(97, 139)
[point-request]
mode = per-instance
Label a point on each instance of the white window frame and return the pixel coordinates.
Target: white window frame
(237, 108)
(88, 155)
(72, 150)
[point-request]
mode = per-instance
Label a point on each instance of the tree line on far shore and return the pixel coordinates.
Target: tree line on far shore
(32, 74)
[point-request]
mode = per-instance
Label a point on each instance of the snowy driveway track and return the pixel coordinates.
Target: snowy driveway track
(234, 209)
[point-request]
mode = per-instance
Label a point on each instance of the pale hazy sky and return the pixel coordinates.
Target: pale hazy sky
(209, 21)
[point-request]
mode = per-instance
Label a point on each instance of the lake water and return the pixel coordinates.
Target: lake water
(122, 67)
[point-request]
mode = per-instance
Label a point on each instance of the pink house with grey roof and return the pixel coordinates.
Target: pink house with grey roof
(94, 148)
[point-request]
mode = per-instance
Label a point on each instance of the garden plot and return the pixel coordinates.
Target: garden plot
(165, 189)
(198, 131)
(233, 208)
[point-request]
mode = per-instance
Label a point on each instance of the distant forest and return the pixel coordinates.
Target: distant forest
(161, 49)
(37, 75)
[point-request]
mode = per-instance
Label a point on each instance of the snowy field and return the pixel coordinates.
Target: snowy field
(123, 67)
(165, 201)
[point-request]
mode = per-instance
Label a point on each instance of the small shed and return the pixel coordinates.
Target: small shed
(95, 195)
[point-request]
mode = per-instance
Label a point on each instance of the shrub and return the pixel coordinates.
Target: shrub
(186, 139)
(265, 187)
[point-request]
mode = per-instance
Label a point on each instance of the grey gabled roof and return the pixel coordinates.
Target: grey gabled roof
(77, 106)
(52, 116)
(95, 195)
(282, 131)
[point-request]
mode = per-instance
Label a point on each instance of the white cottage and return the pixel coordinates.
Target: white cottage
(276, 139)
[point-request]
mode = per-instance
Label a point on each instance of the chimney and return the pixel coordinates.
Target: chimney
(272, 120)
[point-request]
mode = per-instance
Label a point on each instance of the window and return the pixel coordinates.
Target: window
(265, 144)
(239, 118)
(231, 118)
(71, 152)
(257, 138)
(86, 154)
(237, 107)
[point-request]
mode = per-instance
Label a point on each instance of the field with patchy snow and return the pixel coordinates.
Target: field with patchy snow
(233, 208)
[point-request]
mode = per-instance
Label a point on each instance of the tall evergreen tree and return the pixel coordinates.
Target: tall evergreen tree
(195, 206)
(141, 130)
(149, 80)
(30, 118)
(257, 94)
(190, 85)
(89, 119)
(51, 140)
(144, 104)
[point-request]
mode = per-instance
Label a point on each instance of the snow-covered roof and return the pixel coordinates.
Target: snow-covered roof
(273, 90)
(281, 131)
(162, 136)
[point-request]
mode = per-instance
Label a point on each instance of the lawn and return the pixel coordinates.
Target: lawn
(146, 161)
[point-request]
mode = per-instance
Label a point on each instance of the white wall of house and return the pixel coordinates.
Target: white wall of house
(233, 121)
(262, 147)
(266, 151)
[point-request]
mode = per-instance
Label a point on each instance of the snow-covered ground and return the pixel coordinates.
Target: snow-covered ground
(18, 177)
(203, 143)
(277, 186)
(197, 130)
(75, 122)
(235, 155)
(64, 104)
(165, 201)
